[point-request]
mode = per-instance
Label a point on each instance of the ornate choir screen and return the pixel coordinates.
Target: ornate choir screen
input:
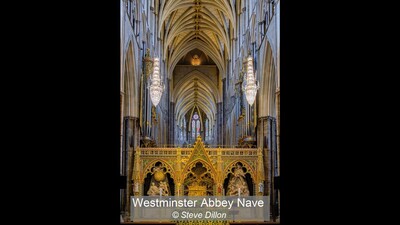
(198, 171)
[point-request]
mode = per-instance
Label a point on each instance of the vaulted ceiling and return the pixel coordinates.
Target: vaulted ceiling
(203, 24)
(196, 90)
(196, 26)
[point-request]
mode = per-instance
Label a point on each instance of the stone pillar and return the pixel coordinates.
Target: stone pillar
(219, 135)
(274, 170)
(223, 122)
(146, 104)
(171, 123)
(266, 131)
(127, 143)
(278, 113)
(260, 173)
(268, 142)
(131, 140)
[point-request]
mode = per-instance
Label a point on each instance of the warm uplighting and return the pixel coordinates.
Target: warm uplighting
(156, 88)
(251, 86)
(195, 60)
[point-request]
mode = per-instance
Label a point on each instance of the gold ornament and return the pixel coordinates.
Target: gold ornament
(159, 176)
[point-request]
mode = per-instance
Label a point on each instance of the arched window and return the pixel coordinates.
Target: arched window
(195, 125)
(193, 128)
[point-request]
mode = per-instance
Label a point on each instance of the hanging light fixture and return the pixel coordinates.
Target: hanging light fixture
(251, 86)
(196, 60)
(156, 88)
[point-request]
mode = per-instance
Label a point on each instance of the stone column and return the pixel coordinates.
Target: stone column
(268, 142)
(127, 138)
(274, 170)
(171, 123)
(131, 141)
(219, 135)
(223, 122)
(260, 173)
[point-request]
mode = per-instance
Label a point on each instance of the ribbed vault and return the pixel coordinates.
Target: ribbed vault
(203, 24)
(196, 89)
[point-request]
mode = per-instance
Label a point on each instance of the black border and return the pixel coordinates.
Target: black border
(80, 171)
(314, 177)
(79, 151)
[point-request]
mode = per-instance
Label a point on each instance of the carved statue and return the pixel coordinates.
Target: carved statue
(260, 187)
(159, 182)
(237, 183)
(164, 188)
(153, 190)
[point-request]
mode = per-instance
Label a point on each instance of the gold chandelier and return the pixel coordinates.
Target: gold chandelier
(251, 86)
(195, 60)
(156, 87)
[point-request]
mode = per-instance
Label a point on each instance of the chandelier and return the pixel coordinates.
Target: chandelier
(251, 86)
(156, 88)
(196, 60)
